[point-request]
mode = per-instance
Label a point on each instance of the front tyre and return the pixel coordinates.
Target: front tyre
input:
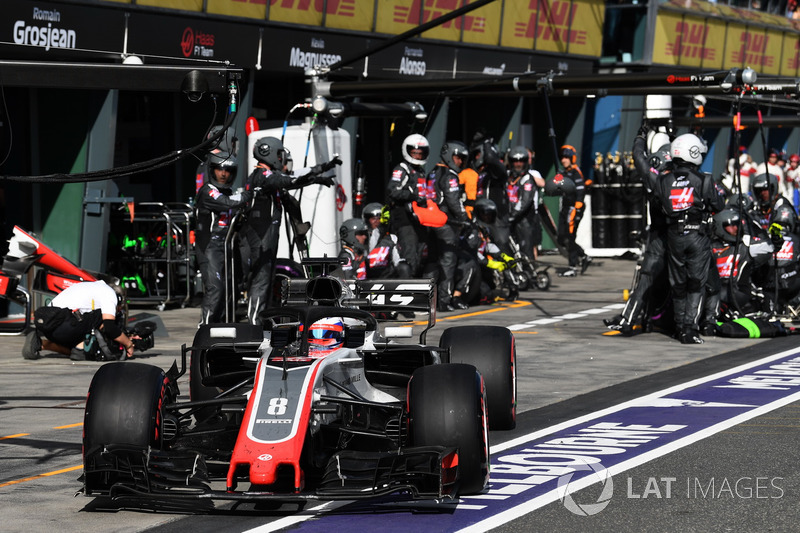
(124, 408)
(447, 407)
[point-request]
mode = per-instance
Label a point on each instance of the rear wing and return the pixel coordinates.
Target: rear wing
(382, 298)
(386, 296)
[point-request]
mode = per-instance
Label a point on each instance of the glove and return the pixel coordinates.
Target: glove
(776, 233)
(422, 201)
(332, 163)
(644, 130)
(324, 167)
(509, 261)
(327, 181)
(496, 265)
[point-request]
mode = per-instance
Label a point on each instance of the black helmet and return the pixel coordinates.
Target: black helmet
(224, 161)
(727, 217)
(785, 216)
(372, 209)
(477, 157)
(660, 157)
(518, 154)
(350, 228)
(270, 151)
(559, 185)
(761, 183)
(455, 148)
(228, 142)
(486, 210)
(733, 201)
(569, 152)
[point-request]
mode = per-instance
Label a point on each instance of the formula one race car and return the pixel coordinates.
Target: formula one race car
(316, 404)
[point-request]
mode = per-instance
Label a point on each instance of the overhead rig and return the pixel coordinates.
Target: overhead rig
(556, 84)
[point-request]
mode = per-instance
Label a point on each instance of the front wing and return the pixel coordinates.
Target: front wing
(419, 473)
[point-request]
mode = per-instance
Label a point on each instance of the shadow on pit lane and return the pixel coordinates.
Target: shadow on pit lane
(267, 508)
(190, 506)
(52, 449)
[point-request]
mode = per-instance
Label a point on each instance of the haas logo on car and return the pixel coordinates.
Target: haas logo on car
(265, 457)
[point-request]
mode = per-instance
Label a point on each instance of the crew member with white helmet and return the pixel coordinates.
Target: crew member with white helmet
(687, 197)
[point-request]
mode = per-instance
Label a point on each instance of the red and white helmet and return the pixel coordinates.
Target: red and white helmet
(416, 142)
(326, 334)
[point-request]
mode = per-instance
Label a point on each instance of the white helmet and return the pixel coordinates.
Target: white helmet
(689, 148)
(416, 141)
(655, 140)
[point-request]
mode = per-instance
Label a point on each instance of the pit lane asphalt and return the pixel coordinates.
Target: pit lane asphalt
(566, 367)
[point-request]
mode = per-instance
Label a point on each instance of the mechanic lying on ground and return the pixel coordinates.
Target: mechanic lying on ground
(68, 324)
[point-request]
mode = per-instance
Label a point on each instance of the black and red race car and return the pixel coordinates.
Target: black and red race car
(323, 402)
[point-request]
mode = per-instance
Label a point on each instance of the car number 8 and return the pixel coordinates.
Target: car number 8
(277, 406)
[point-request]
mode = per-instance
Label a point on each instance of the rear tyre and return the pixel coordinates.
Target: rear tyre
(523, 281)
(447, 407)
(490, 349)
(542, 281)
(123, 408)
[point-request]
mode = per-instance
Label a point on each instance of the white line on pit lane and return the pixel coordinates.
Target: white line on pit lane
(556, 494)
(568, 316)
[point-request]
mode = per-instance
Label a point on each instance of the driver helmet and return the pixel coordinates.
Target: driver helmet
(326, 334)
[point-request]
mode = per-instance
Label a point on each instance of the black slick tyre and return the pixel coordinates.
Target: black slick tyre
(123, 408)
(491, 349)
(447, 408)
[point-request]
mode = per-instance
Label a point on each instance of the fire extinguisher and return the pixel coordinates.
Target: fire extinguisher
(360, 188)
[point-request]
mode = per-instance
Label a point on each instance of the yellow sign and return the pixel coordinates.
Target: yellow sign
(397, 16)
(353, 15)
(688, 41)
(791, 55)
(482, 26)
(185, 5)
(519, 26)
(255, 9)
(750, 47)
(562, 26)
(450, 30)
(307, 12)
